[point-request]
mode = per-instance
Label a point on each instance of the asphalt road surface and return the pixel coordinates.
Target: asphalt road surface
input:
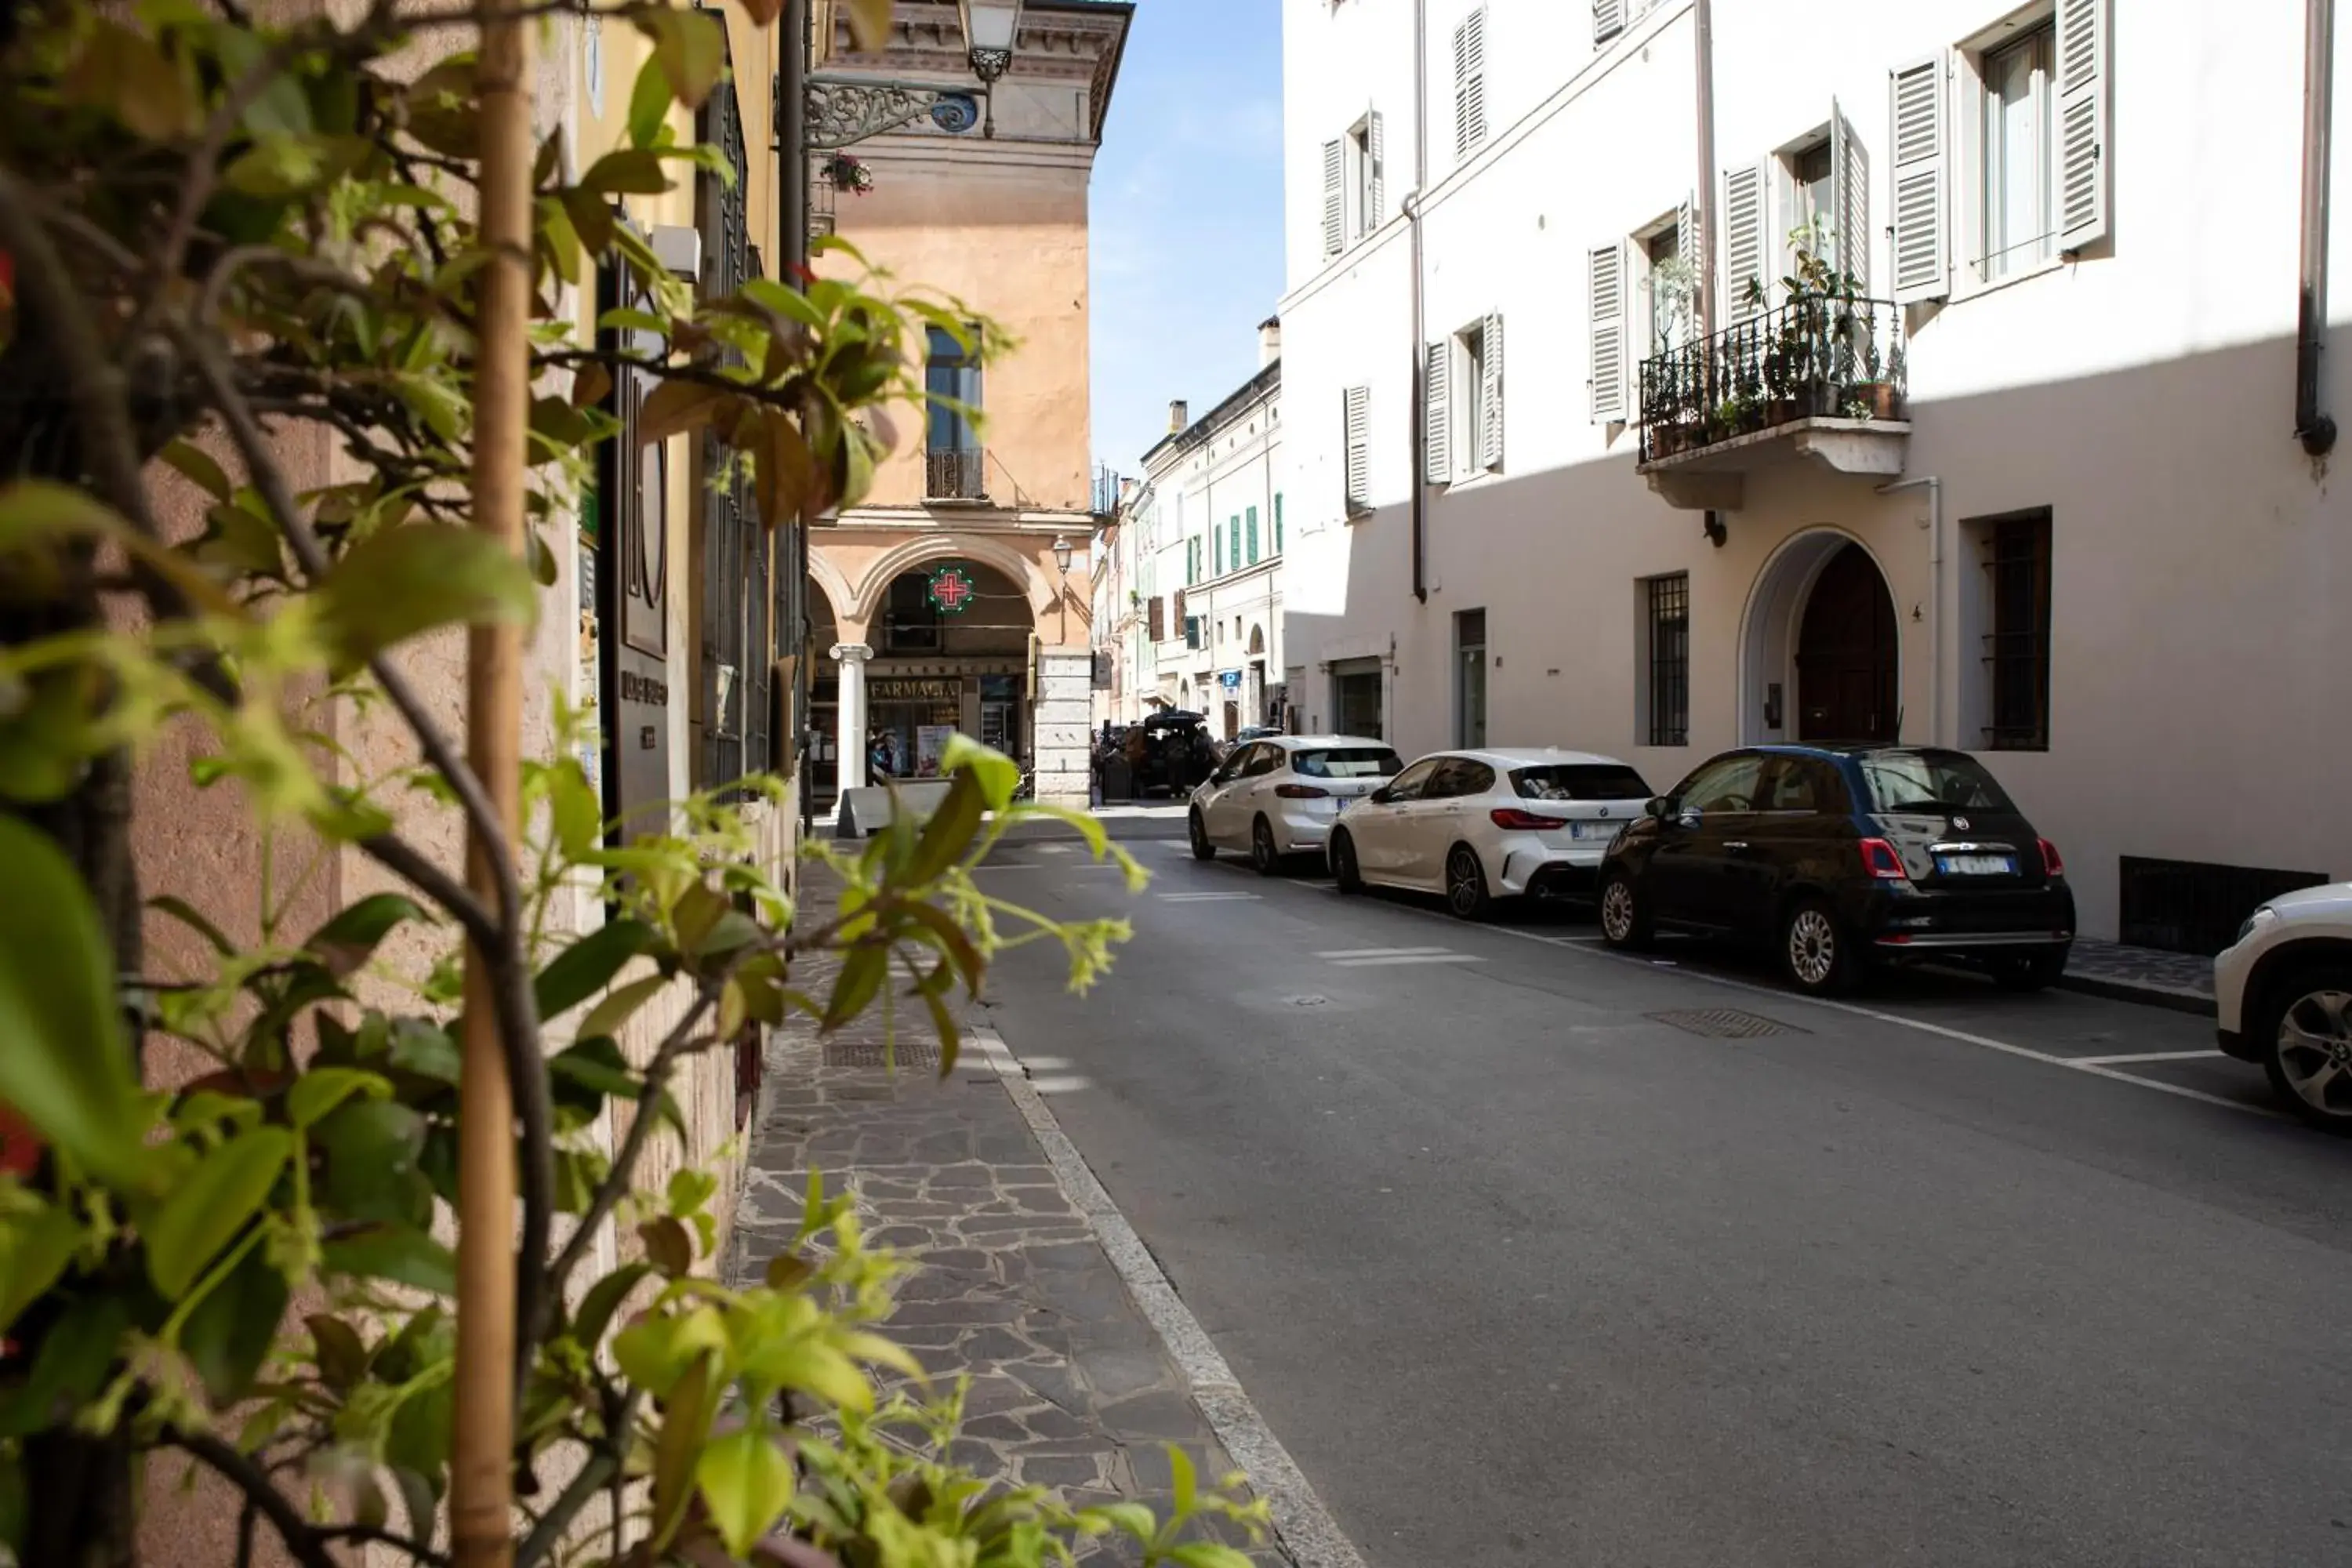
(1523, 1270)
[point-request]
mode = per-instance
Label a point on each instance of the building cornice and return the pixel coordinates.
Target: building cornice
(1259, 388)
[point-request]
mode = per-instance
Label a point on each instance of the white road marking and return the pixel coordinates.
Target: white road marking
(2145, 1057)
(1405, 958)
(2072, 1064)
(1307, 1532)
(1206, 898)
(1379, 951)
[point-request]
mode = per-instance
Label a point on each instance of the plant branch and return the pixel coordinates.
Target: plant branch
(302, 1542)
(616, 1184)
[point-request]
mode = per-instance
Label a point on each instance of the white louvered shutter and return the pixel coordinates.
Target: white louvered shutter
(1436, 381)
(1850, 197)
(1470, 83)
(1743, 238)
(1356, 403)
(1608, 274)
(1608, 20)
(2085, 64)
(1376, 184)
(1688, 243)
(1916, 137)
(1334, 163)
(1490, 391)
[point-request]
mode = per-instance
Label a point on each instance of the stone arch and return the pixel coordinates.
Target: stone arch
(1256, 642)
(1771, 623)
(834, 586)
(1023, 570)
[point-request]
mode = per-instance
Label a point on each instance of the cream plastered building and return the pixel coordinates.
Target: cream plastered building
(2040, 496)
(1213, 613)
(941, 602)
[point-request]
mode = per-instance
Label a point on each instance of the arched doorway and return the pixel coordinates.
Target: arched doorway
(1847, 658)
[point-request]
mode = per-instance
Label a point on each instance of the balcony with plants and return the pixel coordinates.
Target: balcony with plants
(1818, 374)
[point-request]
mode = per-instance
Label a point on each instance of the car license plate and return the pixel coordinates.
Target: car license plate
(1593, 830)
(1977, 865)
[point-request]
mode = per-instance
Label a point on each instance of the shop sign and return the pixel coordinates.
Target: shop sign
(917, 689)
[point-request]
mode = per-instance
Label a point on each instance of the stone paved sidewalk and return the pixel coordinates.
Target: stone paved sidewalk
(2179, 981)
(1071, 1387)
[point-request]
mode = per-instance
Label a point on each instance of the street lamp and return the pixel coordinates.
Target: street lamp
(1062, 564)
(988, 28)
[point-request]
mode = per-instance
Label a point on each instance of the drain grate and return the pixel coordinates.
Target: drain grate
(1725, 1023)
(1308, 1001)
(910, 1053)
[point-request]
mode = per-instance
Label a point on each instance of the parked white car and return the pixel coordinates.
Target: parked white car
(1278, 797)
(1478, 825)
(2282, 997)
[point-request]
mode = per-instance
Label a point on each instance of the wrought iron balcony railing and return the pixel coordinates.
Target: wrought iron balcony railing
(955, 475)
(1816, 356)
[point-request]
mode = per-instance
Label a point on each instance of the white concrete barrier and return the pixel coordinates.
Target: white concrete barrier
(864, 811)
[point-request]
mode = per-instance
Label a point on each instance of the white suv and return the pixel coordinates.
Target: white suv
(2283, 994)
(1278, 796)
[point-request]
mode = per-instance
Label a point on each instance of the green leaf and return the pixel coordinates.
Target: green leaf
(588, 966)
(668, 1247)
(1182, 1482)
(950, 831)
(581, 1077)
(578, 814)
(602, 1299)
(628, 172)
(691, 49)
(403, 581)
(211, 1205)
(341, 1354)
(317, 1093)
(372, 1151)
(649, 103)
(232, 1329)
(1208, 1554)
(35, 1247)
(789, 1271)
(399, 1253)
(352, 937)
(609, 1016)
(69, 1368)
(999, 776)
(188, 915)
(65, 1066)
(746, 1480)
(862, 974)
(426, 1050)
(197, 466)
(124, 73)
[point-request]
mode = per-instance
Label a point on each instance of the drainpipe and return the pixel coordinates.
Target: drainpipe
(2314, 428)
(1703, 46)
(1412, 222)
(1935, 525)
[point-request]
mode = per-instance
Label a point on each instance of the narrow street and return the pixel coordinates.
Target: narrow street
(1521, 1267)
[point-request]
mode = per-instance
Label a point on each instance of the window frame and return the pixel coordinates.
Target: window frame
(1465, 369)
(1730, 767)
(964, 361)
(1400, 792)
(1665, 681)
(1966, 154)
(2034, 530)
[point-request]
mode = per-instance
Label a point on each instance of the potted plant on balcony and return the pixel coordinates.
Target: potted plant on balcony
(1878, 387)
(845, 172)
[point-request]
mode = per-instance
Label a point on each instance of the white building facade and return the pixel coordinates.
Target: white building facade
(1211, 564)
(2019, 473)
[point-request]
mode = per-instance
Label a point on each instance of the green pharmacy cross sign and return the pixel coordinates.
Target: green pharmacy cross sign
(953, 589)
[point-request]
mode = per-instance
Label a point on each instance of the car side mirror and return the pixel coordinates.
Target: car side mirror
(1661, 807)
(1379, 796)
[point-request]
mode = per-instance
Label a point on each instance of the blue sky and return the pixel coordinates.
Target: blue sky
(1187, 216)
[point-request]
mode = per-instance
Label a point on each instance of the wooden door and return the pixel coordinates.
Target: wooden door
(1846, 657)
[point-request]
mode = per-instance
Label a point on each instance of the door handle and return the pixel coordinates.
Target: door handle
(1738, 846)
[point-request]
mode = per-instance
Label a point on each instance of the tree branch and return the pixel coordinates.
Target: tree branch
(302, 1542)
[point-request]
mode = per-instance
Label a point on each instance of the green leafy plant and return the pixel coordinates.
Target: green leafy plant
(227, 238)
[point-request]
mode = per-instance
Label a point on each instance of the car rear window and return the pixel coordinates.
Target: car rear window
(1930, 781)
(1347, 763)
(1579, 781)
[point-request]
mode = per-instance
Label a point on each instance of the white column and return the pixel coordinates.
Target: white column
(851, 716)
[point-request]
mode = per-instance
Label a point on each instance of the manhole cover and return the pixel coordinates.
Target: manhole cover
(1308, 1001)
(918, 1052)
(1725, 1023)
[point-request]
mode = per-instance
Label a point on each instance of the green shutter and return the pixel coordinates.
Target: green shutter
(1277, 522)
(1252, 536)
(1220, 548)
(1233, 552)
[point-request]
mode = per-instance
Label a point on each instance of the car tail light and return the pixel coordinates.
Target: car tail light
(2053, 863)
(1880, 860)
(1510, 819)
(1301, 792)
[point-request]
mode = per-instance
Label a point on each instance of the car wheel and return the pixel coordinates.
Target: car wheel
(1202, 849)
(1344, 870)
(2305, 1028)
(2029, 972)
(1263, 858)
(1465, 885)
(1624, 914)
(1813, 950)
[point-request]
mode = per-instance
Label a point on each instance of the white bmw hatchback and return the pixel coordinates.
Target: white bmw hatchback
(1478, 825)
(1278, 797)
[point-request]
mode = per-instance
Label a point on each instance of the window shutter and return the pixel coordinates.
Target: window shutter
(1234, 544)
(1333, 163)
(1916, 134)
(1490, 391)
(1180, 620)
(1277, 522)
(1251, 519)
(1688, 239)
(1158, 619)
(2085, 68)
(1850, 197)
(1470, 83)
(1743, 238)
(1608, 20)
(1608, 273)
(1356, 402)
(1375, 185)
(1436, 376)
